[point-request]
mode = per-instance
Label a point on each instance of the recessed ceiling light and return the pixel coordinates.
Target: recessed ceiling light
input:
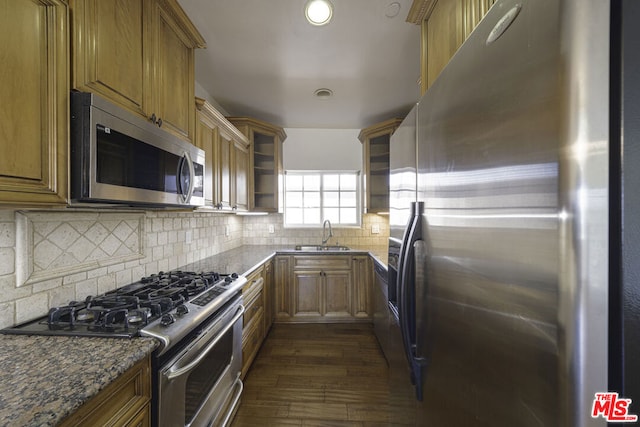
(318, 12)
(323, 93)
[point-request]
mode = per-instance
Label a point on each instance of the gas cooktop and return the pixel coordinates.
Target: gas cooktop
(166, 306)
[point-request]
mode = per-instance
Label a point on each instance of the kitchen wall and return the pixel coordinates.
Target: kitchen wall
(256, 231)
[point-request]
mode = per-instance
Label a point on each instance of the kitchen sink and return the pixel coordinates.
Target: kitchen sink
(321, 248)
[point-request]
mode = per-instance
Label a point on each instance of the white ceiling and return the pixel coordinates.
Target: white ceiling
(264, 60)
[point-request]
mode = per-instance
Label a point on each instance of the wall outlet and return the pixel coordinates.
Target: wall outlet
(226, 230)
(375, 229)
(272, 229)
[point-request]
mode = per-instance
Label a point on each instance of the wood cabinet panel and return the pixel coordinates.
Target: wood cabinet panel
(445, 24)
(268, 291)
(139, 54)
(375, 163)
(265, 170)
(307, 293)
(35, 97)
(123, 402)
(174, 72)
(240, 173)
(445, 34)
(337, 294)
(108, 56)
(362, 287)
(282, 288)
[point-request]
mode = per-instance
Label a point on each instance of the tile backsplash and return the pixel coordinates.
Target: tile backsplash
(48, 258)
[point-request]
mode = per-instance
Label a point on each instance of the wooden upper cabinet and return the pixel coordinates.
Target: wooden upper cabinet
(226, 159)
(265, 169)
(445, 25)
(139, 54)
(35, 102)
(375, 163)
(240, 176)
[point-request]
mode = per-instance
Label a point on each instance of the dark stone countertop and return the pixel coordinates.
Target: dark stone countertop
(245, 259)
(45, 379)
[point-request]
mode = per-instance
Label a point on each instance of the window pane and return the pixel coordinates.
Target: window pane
(348, 216)
(294, 199)
(312, 216)
(312, 199)
(293, 182)
(312, 183)
(332, 214)
(348, 199)
(332, 182)
(348, 182)
(294, 216)
(331, 199)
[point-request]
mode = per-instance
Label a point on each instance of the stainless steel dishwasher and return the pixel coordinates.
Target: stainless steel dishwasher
(381, 308)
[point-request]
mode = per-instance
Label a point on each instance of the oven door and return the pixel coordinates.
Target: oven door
(201, 386)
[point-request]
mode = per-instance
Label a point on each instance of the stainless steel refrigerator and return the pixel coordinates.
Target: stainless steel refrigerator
(514, 270)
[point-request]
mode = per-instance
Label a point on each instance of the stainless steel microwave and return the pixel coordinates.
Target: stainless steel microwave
(119, 158)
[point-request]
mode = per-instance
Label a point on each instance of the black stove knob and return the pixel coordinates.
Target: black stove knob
(228, 279)
(234, 275)
(181, 310)
(167, 319)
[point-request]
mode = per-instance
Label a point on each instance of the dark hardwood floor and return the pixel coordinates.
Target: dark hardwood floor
(326, 375)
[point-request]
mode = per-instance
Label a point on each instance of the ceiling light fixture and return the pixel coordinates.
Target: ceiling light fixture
(323, 93)
(318, 12)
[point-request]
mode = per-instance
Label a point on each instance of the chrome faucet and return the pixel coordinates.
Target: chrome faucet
(324, 226)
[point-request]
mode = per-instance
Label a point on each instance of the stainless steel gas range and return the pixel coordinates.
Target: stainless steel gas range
(197, 319)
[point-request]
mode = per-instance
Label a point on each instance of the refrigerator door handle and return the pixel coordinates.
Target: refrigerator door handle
(406, 301)
(419, 359)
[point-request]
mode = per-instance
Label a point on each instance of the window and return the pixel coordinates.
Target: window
(313, 197)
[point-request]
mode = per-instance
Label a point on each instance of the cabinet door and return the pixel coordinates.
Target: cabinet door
(282, 288)
(337, 293)
(307, 293)
(108, 56)
(241, 172)
(444, 34)
(363, 287)
(268, 295)
(206, 140)
(224, 178)
(173, 72)
(35, 97)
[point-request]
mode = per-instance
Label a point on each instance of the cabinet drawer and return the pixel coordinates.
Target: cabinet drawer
(251, 342)
(322, 262)
(120, 403)
(255, 306)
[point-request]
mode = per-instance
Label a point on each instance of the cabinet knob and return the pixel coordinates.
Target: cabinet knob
(153, 118)
(159, 122)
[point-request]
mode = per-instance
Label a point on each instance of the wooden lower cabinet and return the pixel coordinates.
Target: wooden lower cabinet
(125, 402)
(362, 268)
(282, 288)
(323, 288)
(268, 292)
(254, 327)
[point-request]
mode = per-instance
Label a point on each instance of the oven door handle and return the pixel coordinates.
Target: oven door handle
(236, 399)
(179, 372)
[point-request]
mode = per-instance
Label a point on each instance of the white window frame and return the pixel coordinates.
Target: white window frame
(357, 174)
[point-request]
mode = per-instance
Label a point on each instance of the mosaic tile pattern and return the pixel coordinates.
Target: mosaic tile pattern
(57, 244)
